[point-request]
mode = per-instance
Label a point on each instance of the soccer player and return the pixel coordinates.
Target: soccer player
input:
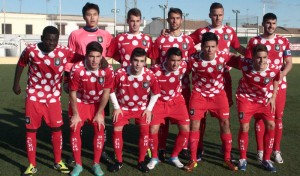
(79, 39)
(46, 61)
(122, 46)
(279, 55)
(170, 104)
(255, 96)
(90, 84)
(133, 86)
(176, 38)
(208, 94)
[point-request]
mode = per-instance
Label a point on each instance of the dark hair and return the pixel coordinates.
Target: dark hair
(50, 30)
(215, 5)
(173, 51)
(174, 10)
(269, 16)
(89, 6)
(259, 48)
(94, 46)
(134, 12)
(209, 36)
(137, 52)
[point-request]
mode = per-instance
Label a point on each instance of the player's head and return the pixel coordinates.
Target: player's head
(90, 13)
(138, 60)
(216, 14)
(174, 59)
(209, 45)
(269, 23)
(174, 18)
(134, 16)
(93, 55)
(260, 57)
(49, 38)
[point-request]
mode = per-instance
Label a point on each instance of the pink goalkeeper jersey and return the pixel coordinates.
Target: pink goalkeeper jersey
(122, 46)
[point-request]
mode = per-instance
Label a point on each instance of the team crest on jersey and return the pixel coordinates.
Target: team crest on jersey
(27, 120)
(241, 115)
(100, 39)
(57, 61)
(146, 85)
(192, 111)
(144, 42)
(220, 67)
(267, 80)
(101, 80)
(226, 36)
(184, 46)
(277, 47)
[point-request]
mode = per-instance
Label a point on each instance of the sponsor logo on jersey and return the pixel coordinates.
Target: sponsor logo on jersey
(192, 111)
(277, 47)
(267, 80)
(146, 85)
(100, 39)
(241, 115)
(57, 61)
(184, 46)
(219, 67)
(27, 120)
(226, 36)
(101, 80)
(144, 42)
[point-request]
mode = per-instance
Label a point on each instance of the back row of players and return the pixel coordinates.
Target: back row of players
(152, 95)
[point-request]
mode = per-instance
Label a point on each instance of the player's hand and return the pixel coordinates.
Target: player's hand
(17, 89)
(281, 76)
(165, 32)
(148, 116)
(272, 103)
(74, 121)
(99, 119)
(116, 114)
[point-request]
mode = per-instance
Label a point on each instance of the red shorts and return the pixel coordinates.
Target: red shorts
(280, 103)
(35, 111)
(175, 110)
(217, 105)
(86, 112)
(127, 115)
(247, 109)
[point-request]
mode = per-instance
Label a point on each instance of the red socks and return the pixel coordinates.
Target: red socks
(143, 141)
(259, 133)
(31, 147)
(98, 142)
(226, 145)
(243, 144)
(118, 145)
(180, 143)
(278, 134)
(268, 144)
(194, 139)
(153, 143)
(57, 145)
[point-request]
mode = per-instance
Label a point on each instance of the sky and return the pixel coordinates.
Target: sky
(287, 11)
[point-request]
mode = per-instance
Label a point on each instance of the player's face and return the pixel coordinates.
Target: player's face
(174, 21)
(260, 61)
(91, 18)
(134, 23)
(216, 17)
(93, 59)
(137, 64)
(49, 42)
(172, 64)
(209, 49)
(270, 26)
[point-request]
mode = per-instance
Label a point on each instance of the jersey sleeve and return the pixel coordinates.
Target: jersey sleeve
(150, 47)
(109, 77)
(154, 86)
(72, 41)
(24, 58)
(192, 48)
(195, 36)
(234, 61)
(74, 79)
(287, 52)
(235, 43)
(248, 53)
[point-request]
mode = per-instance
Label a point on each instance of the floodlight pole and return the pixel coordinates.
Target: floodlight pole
(236, 20)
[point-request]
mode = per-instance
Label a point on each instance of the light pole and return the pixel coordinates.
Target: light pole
(115, 11)
(164, 7)
(184, 15)
(236, 20)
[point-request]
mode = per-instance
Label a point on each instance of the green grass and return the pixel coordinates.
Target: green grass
(13, 160)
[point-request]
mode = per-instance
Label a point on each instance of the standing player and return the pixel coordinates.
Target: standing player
(226, 38)
(170, 104)
(122, 46)
(279, 55)
(176, 38)
(255, 96)
(79, 39)
(46, 61)
(133, 85)
(90, 84)
(208, 94)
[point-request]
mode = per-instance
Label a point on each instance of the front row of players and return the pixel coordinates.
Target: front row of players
(148, 95)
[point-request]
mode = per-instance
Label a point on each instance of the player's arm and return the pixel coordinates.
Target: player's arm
(18, 73)
(75, 119)
(148, 110)
(288, 64)
(233, 61)
(99, 118)
(117, 109)
(241, 50)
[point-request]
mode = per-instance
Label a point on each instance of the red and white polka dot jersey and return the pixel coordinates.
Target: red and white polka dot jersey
(45, 71)
(226, 37)
(163, 43)
(278, 48)
(169, 82)
(256, 86)
(90, 84)
(122, 46)
(207, 76)
(132, 91)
